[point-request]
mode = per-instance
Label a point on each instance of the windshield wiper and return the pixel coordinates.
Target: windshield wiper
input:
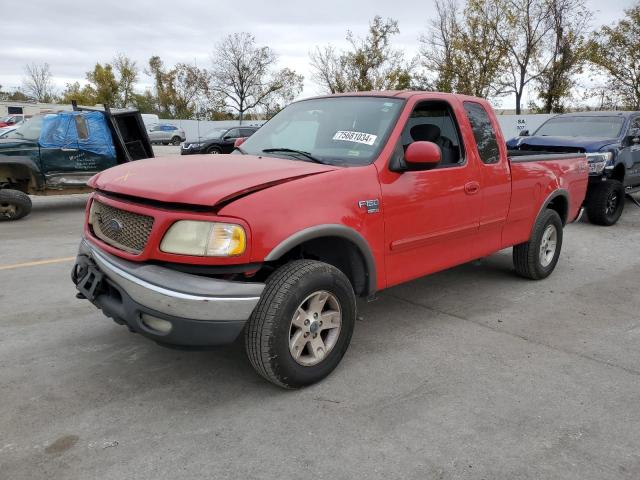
(291, 150)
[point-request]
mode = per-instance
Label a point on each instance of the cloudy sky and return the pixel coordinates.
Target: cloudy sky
(71, 36)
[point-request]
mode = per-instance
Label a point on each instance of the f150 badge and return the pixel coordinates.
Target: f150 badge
(372, 206)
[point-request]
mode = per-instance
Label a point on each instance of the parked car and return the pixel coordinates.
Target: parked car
(4, 131)
(166, 134)
(335, 197)
(611, 141)
(55, 154)
(217, 141)
(11, 120)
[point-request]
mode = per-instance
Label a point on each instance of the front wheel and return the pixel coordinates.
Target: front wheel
(214, 151)
(302, 326)
(537, 258)
(14, 204)
(606, 203)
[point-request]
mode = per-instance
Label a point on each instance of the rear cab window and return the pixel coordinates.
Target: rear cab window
(483, 132)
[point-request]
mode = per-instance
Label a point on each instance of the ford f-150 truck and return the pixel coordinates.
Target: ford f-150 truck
(611, 141)
(335, 198)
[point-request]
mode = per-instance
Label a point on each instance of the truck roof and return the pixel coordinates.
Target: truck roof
(405, 94)
(601, 113)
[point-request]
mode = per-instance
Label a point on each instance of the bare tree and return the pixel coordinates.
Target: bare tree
(38, 82)
(243, 74)
(462, 52)
(521, 27)
(328, 69)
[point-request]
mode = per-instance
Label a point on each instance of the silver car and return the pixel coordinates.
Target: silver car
(166, 134)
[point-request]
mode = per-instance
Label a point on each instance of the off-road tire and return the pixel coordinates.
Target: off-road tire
(526, 256)
(598, 203)
(176, 141)
(267, 331)
(214, 150)
(17, 199)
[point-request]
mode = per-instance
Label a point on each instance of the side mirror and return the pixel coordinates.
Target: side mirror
(523, 133)
(423, 154)
(239, 141)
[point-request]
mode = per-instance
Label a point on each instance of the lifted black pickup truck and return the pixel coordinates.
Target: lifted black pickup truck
(611, 141)
(55, 154)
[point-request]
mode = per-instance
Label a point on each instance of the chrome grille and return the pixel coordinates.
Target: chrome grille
(121, 229)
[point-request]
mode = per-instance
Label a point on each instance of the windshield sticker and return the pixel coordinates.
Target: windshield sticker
(356, 137)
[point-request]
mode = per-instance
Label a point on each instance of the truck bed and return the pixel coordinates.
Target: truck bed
(536, 177)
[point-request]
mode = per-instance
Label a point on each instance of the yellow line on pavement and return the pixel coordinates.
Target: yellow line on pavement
(37, 263)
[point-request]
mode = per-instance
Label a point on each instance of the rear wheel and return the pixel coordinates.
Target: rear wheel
(214, 150)
(537, 258)
(606, 203)
(14, 204)
(302, 326)
(176, 140)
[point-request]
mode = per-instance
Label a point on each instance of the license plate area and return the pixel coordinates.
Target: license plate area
(90, 285)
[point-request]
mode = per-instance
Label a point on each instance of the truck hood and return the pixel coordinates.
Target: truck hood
(573, 144)
(205, 180)
(15, 143)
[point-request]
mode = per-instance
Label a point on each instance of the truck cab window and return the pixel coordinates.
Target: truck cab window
(483, 132)
(434, 122)
(81, 127)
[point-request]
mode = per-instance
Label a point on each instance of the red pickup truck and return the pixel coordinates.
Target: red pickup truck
(335, 198)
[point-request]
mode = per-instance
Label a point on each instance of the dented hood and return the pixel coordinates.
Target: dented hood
(205, 180)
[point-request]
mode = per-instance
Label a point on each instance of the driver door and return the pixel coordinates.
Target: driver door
(229, 139)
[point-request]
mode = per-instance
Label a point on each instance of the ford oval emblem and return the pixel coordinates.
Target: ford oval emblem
(115, 225)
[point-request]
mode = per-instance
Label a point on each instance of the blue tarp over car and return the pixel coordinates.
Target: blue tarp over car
(83, 130)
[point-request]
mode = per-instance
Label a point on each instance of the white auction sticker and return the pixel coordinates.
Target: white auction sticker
(357, 137)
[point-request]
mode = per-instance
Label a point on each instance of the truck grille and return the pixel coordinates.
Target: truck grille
(124, 230)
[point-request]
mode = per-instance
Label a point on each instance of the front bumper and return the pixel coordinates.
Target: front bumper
(191, 150)
(191, 310)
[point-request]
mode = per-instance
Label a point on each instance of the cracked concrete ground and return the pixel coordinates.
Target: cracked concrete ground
(472, 373)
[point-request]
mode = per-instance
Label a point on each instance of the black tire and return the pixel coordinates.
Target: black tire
(527, 256)
(214, 150)
(14, 205)
(176, 140)
(267, 333)
(606, 203)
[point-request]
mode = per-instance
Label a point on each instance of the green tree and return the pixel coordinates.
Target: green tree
(84, 95)
(569, 50)
(127, 71)
(616, 50)
(370, 63)
(244, 75)
(104, 84)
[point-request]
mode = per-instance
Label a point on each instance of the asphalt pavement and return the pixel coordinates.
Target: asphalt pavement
(472, 373)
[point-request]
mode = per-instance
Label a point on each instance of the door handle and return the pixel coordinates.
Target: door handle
(472, 188)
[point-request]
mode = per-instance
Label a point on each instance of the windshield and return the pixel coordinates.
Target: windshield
(216, 133)
(29, 130)
(334, 130)
(587, 126)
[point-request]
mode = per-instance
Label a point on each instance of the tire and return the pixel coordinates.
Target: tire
(176, 141)
(14, 205)
(606, 203)
(272, 330)
(214, 150)
(528, 258)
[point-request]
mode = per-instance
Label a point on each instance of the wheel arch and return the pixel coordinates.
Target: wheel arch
(355, 259)
(21, 173)
(558, 201)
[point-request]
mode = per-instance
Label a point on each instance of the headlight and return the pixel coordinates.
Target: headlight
(204, 239)
(598, 161)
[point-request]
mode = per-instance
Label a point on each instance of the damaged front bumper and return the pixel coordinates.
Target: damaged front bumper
(170, 307)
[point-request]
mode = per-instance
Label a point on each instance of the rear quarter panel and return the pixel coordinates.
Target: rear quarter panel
(534, 182)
